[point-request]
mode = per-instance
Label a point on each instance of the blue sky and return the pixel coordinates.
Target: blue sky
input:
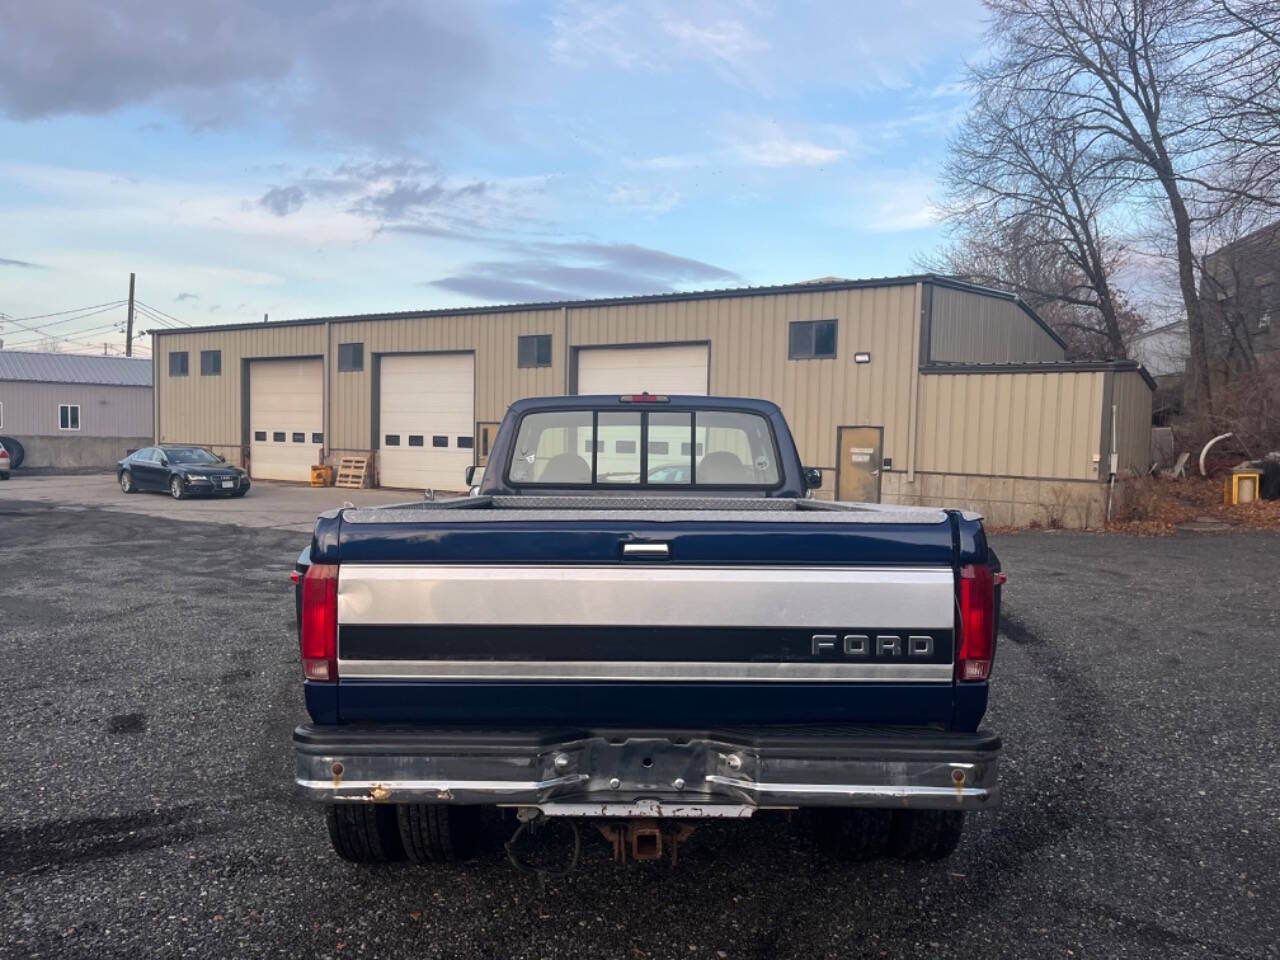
(301, 158)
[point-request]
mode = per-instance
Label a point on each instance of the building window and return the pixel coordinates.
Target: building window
(210, 363)
(415, 439)
(350, 357)
(587, 445)
(685, 449)
(299, 438)
(260, 436)
(811, 339)
(178, 363)
(624, 446)
(659, 447)
(277, 436)
(464, 443)
(317, 438)
(391, 440)
(439, 441)
(69, 415)
(1, 416)
(534, 351)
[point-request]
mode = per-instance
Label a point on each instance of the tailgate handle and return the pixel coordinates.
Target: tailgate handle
(646, 551)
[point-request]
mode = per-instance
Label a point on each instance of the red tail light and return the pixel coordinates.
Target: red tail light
(977, 622)
(320, 623)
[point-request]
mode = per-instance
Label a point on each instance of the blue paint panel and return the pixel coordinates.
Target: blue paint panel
(322, 701)
(644, 704)
(599, 542)
(971, 704)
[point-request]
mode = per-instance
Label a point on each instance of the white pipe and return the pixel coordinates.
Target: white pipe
(1221, 436)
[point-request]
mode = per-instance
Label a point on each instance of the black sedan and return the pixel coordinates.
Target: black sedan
(182, 472)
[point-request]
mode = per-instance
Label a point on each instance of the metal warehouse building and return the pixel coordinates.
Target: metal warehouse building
(74, 411)
(913, 389)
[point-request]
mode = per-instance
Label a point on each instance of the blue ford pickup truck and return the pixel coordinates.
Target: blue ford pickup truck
(640, 619)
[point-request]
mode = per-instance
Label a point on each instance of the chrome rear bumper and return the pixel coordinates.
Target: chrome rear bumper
(668, 773)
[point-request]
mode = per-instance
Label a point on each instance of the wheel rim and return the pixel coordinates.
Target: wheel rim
(175, 488)
(125, 482)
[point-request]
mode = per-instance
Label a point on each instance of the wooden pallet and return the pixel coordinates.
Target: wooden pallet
(353, 473)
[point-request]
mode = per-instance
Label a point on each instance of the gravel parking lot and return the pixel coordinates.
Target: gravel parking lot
(151, 683)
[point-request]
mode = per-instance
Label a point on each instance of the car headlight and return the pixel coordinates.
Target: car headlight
(196, 476)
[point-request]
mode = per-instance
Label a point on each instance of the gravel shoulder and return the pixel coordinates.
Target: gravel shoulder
(151, 684)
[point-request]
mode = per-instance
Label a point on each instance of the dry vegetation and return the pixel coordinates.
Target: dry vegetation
(1155, 506)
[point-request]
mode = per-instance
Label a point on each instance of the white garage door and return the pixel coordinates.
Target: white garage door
(670, 370)
(426, 420)
(286, 418)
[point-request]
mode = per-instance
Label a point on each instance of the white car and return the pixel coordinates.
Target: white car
(4, 463)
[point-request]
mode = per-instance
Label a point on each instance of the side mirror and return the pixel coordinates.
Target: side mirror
(471, 474)
(221, 458)
(812, 478)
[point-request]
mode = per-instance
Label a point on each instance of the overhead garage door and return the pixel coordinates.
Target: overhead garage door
(618, 370)
(426, 419)
(286, 418)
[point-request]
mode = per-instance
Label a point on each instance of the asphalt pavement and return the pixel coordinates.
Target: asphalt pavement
(151, 682)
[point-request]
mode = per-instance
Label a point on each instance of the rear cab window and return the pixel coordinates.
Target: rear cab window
(622, 448)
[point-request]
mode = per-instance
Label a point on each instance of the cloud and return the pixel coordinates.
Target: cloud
(371, 72)
(186, 296)
(781, 152)
(21, 264)
(567, 271)
(283, 201)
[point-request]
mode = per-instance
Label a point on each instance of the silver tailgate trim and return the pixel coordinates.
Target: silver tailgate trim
(642, 670)
(900, 599)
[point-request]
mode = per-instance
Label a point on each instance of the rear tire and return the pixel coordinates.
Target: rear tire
(925, 834)
(854, 833)
(364, 832)
(17, 452)
(175, 488)
(438, 832)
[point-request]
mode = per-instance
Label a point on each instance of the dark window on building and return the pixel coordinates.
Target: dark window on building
(534, 351)
(178, 363)
(299, 438)
(812, 339)
(260, 436)
(391, 440)
(464, 443)
(210, 363)
(350, 357)
(659, 446)
(684, 450)
(415, 439)
(69, 416)
(586, 446)
(317, 438)
(439, 441)
(624, 446)
(277, 436)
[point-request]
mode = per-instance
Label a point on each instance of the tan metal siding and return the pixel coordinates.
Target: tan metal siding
(31, 409)
(492, 337)
(1011, 424)
(1132, 398)
(972, 328)
(206, 410)
(748, 337)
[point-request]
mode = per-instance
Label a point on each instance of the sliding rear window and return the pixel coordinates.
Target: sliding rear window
(670, 449)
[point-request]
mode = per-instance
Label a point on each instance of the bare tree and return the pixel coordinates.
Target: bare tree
(1128, 73)
(1026, 195)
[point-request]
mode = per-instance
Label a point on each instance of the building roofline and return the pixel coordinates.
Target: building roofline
(809, 287)
(1045, 366)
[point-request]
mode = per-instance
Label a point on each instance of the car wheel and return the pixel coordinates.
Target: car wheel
(438, 832)
(126, 482)
(175, 488)
(925, 834)
(854, 833)
(4, 476)
(364, 832)
(17, 453)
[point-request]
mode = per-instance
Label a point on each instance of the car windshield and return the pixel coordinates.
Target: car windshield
(189, 455)
(650, 448)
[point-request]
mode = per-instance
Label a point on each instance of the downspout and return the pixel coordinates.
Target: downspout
(324, 387)
(913, 395)
(564, 319)
(155, 388)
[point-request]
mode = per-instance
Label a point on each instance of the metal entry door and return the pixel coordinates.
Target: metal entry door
(858, 453)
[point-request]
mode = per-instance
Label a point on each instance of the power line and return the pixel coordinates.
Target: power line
(60, 313)
(113, 327)
(151, 314)
(163, 314)
(42, 328)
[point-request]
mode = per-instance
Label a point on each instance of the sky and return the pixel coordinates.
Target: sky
(318, 157)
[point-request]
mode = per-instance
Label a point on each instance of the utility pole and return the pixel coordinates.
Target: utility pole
(128, 330)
